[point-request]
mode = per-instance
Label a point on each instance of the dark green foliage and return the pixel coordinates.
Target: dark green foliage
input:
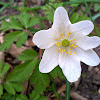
(21, 97)
(17, 86)
(8, 96)
(57, 72)
(9, 39)
(27, 55)
(1, 90)
(35, 96)
(3, 69)
(50, 8)
(9, 88)
(22, 71)
(22, 39)
(76, 18)
(16, 30)
(40, 80)
(20, 23)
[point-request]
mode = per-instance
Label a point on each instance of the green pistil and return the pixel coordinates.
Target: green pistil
(65, 43)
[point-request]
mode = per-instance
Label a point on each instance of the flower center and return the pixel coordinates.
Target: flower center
(65, 43)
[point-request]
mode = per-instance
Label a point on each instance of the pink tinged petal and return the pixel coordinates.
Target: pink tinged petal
(82, 27)
(61, 20)
(49, 60)
(89, 57)
(86, 42)
(70, 65)
(45, 38)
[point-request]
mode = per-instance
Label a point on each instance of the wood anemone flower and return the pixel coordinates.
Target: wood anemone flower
(66, 45)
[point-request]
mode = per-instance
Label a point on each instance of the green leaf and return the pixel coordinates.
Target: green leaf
(1, 90)
(33, 21)
(22, 39)
(81, 18)
(35, 96)
(14, 24)
(8, 87)
(0, 66)
(74, 18)
(5, 68)
(17, 86)
(97, 7)
(4, 25)
(57, 72)
(24, 19)
(9, 39)
(21, 97)
(22, 71)
(27, 55)
(6, 96)
(74, 5)
(40, 80)
(50, 9)
(12, 98)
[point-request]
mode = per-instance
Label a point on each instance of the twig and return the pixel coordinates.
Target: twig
(29, 33)
(76, 96)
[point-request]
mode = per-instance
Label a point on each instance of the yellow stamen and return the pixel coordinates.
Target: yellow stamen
(61, 34)
(59, 49)
(75, 46)
(70, 40)
(61, 52)
(73, 40)
(59, 44)
(57, 39)
(72, 45)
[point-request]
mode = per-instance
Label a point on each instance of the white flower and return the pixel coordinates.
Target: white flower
(66, 45)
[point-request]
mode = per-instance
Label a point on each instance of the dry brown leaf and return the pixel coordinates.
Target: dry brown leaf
(14, 51)
(76, 96)
(77, 83)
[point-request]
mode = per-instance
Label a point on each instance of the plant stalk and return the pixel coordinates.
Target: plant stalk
(67, 90)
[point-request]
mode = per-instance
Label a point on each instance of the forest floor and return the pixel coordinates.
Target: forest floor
(86, 88)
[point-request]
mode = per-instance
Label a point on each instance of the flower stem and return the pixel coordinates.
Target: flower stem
(67, 90)
(54, 89)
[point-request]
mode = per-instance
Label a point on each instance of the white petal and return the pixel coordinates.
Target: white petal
(61, 20)
(70, 65)
(89, 57)
(86, 42)
(49, 60)
(45, 38)
(82, 27)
